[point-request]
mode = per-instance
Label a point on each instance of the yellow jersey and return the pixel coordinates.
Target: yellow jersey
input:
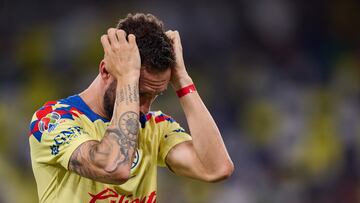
(59, 127)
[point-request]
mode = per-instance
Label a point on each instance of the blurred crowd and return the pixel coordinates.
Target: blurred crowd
(281, 78)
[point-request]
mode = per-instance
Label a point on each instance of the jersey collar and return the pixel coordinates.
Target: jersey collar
(77, 102)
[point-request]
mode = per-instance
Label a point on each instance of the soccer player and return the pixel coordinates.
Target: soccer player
(104, 144)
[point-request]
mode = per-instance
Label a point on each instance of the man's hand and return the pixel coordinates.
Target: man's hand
(179, 75)
(122, 57)
(205, 157)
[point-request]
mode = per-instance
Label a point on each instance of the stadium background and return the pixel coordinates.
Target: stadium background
(282, 79)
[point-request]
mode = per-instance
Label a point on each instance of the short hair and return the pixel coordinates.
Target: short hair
(156, 50)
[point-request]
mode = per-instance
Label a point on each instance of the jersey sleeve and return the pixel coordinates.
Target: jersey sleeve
(172, 134)
(55, 136)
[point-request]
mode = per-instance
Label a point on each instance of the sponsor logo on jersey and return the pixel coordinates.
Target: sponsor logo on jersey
(49, 122)
(65, 137)
(110, 195)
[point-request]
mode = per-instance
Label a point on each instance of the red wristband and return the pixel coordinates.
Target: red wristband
(186, 90)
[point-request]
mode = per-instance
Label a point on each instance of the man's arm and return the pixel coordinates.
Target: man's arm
(205, 157)
(109, 160)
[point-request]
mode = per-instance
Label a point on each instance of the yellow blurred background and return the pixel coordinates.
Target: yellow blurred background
(281, 78)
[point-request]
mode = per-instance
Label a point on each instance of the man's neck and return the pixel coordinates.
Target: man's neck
(93, 97)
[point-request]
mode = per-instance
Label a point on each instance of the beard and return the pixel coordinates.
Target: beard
(109, 100)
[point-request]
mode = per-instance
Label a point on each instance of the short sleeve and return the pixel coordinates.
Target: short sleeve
(173, 134)
(53, 139)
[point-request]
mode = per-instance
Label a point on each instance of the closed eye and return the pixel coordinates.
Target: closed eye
(145, 94)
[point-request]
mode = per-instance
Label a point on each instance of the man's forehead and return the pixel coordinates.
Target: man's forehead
(154, 73)
(154, 81)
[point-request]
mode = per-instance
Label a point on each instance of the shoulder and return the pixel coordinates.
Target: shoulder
(46, 118)
(155, 117)
(159, 117)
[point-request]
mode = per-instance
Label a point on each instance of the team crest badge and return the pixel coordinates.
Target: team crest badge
(137, 159)
(49, 122)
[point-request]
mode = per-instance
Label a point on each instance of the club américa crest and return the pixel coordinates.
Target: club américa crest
(137, 159)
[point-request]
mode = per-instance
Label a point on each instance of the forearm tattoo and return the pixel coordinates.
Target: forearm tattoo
(83, 166)
(126, 136)
(118, 145)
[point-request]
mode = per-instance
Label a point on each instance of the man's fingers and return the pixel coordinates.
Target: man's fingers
(177, 39)
(112, 36)
(105, 43)
(174, 36)
(132, 39)
(170, 34)
(177, 35)
(121, 35)
(121, 56)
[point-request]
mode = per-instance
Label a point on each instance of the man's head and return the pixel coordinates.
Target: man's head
(157, 59)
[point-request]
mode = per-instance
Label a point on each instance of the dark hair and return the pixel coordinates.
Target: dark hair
(155, 47)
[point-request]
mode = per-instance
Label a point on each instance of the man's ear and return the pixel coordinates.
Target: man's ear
(104, 74)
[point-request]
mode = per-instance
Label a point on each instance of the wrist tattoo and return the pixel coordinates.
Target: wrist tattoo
(129, 94)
